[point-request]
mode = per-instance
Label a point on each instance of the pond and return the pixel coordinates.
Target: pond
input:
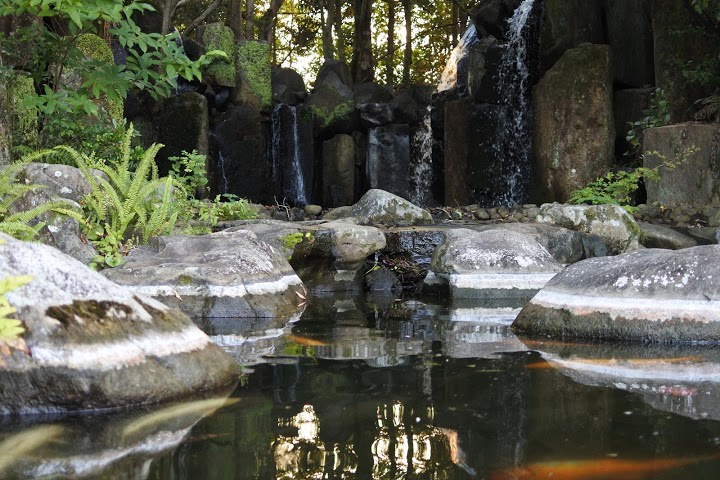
(404, 390)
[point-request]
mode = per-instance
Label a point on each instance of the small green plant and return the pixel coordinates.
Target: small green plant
(10, 328)
(190, 172)
(25, 224)
(657, 115)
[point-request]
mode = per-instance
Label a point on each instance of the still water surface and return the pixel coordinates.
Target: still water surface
(413, 392)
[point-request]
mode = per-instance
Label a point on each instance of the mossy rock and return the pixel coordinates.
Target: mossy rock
(23, 121)
(95, 48)
(222, 70)
(254, 75)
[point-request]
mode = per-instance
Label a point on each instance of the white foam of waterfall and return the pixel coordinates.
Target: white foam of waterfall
(516, 144)
(421, 168)
(221, 164)
(448, 79)
(286, 153)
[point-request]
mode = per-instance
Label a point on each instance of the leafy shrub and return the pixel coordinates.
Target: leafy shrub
(125, 207)
(657, 115)
(10, 328)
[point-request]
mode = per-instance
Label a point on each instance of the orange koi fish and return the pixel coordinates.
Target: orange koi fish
(307, 342)
(539, 366)
(606, 468)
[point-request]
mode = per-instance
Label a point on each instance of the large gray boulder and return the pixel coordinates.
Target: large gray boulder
(611, 223)
(381, 207)
(648, 295)
(660, 236)
(93, 344)
(225, 274)
(494, 263)
(64, 181)
(692, 148)
(573, 125)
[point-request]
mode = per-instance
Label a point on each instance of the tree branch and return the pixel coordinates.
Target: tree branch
(210, 9)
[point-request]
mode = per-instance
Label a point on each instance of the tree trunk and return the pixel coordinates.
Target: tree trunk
(236, 19)
(338, 30)
(407, 58)
(168, 8)
(362, 61)
(327, 39)
(390, 60)
(250, 20)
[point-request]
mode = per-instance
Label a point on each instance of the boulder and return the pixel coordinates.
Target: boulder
(660, 236)
(375, 114)
(493, 263)
(372, 93)
(220, 71)
(287, 86)
(630, 36)
(338, 68)
(333, 106)
(612, 223)
(388, 159)
(381, 207)
(567, 24)
(686, 155)
(225, 274)
(338, 170)
(573, 128)
(95, 345)
(183, 124)
(64, 181)
(649, 296)
(254, 83)
(239, 150)
(405, 108)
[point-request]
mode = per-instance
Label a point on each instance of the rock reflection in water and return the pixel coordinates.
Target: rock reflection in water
(681, 379)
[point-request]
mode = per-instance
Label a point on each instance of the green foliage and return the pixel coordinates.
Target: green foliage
(328, 118)
(711, 8)
(235, 208)
(125, 207)
(153, 64)
(10, 328)
(24, 120)
(253, 59)
(616, 188)
(291, 240)
(657, 115)
(24, 224)
(221, 38)
(190, 173)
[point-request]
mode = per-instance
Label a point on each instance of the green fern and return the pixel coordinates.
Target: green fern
(125, 206)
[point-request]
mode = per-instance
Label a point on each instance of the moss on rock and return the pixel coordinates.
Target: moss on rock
(253, 66)
(95, 48)
(222, 70)
(24, 120)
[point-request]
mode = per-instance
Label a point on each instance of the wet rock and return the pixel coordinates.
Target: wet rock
(659, 236)
(383, 280)
(648, 295)
(493, 263)
(226, 274)
(182, 124)
(288, 86)
(611, 223)
(381, 207)
(375, 114)
(388, 159)
(338, 156)
(331, 255)
(567, 24)
(94, 344)
(573, 126)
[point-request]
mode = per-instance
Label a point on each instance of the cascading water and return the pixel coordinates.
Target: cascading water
(285, 154)
(515, 142)
(421, 165)
(449, 78)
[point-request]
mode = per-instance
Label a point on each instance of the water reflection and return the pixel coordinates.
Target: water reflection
(408, 390)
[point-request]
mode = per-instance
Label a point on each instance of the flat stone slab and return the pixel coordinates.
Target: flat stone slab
(659, 236)
(649, 295)
(95, 345)
(225, 274)
(493, 263)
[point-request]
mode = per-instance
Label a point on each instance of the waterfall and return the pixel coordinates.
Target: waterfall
(421, 167)
(286, 159)
(449, 78)
(515, 144)
(221, 167)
